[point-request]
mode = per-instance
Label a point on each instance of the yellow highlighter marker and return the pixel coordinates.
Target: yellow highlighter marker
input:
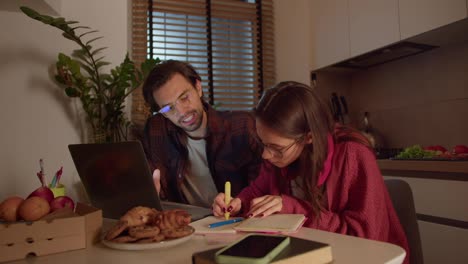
(227, 197)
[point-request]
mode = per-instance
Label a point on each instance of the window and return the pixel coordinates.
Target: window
(229, 42)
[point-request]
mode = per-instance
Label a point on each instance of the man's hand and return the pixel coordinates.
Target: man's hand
(157, 180)
(219, 207)
(265, 205)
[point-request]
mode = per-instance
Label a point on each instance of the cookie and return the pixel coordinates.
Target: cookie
(116, 230)
(139, 215)
(124, 239)
(157, 238)
(176, 233)
(143, 231)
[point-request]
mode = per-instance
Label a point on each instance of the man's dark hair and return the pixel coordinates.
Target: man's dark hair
(162, 73)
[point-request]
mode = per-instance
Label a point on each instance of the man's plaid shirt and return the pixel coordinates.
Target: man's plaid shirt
(233, 153)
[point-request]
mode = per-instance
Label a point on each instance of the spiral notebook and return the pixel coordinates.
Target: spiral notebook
(276, 223)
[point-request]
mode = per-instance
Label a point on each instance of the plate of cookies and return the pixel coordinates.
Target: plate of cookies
(147, 228)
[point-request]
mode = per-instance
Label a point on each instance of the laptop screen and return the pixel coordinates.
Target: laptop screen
(116, 176)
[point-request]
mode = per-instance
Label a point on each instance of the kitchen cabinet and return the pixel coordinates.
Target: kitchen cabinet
(372, 24)
(419, 16)
(439, 191)
(330, 32)
(442, 214)
(342, 29)
(443, 244)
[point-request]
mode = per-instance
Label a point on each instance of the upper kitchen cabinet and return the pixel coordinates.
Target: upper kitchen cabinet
(419, 16)
(372, 24)
(345, 29)
(330, 32)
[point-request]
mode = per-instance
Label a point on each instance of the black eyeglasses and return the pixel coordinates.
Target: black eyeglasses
(277, 151)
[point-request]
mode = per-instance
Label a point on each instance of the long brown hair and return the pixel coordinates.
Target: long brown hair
(293, 110)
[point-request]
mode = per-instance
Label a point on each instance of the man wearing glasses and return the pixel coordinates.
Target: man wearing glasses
(192, 148)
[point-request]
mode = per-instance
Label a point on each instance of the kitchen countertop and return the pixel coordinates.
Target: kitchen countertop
(443, 170)
(423, 165)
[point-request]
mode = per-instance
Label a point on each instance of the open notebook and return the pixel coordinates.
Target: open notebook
(276, 223)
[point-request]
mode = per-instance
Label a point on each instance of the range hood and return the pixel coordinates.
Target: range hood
(389, 53)
(445, 36)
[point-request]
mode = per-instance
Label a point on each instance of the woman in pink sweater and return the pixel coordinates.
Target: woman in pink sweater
(314, 167)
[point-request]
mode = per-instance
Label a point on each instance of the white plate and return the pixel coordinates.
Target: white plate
(143, 246)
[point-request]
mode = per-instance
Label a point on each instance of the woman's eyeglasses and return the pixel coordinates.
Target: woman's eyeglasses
(277, 151)
(170, 109)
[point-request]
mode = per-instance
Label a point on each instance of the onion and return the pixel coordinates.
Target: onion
(62, 202)
(9, 208)
(33, 208)
(43, 192)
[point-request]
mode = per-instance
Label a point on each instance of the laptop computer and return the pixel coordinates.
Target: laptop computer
(116, 177)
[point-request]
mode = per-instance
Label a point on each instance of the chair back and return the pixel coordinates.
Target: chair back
(403, 202)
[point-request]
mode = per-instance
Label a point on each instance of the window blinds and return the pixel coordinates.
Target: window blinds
(229, 42)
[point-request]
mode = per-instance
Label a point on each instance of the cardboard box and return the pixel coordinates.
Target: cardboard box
(43, 237)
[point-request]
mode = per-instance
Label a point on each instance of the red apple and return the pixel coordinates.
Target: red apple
(460, 149)
(43, 192)
(62, 202)
(436, 148)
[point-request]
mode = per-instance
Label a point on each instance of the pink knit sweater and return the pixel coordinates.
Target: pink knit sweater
(357, 201)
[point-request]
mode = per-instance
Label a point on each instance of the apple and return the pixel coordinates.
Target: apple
(43, 192)
(460, 149)
(61, 202)
(436, 148)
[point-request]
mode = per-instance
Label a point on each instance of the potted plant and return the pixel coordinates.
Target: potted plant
(101, 94)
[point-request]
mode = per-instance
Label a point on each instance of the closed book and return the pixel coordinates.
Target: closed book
(298, 251)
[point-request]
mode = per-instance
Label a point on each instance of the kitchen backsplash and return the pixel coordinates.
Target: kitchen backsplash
(421, 99)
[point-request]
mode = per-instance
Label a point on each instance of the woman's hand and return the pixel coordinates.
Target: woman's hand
(219, 207)
(265, 205)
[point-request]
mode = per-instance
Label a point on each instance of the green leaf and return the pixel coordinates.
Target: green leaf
(81, 27)
(102, 95)
(92, 40)
(72, 92)
(68, 36)
(88, 32)
(148, 65)
(96, 51)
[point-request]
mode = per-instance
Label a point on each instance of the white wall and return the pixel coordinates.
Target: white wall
(38, 120)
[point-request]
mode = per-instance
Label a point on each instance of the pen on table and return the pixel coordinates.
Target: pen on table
(227, 222)
(227, 198)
